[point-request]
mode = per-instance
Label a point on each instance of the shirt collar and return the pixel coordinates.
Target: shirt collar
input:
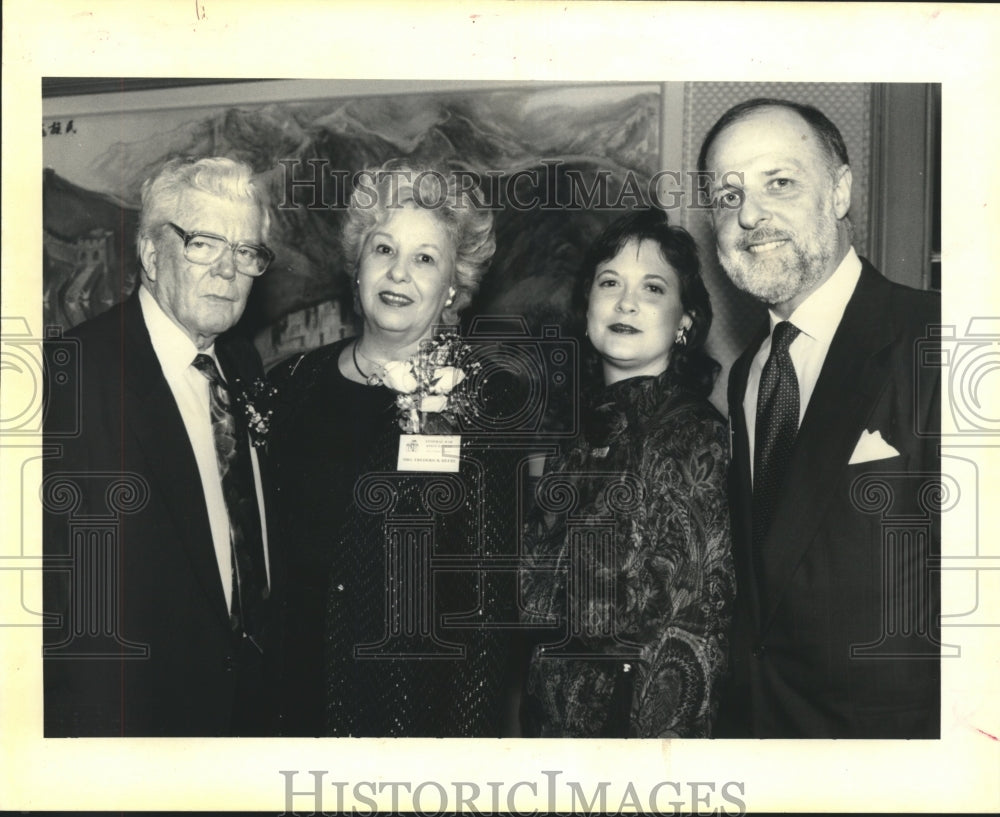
(174, 349)
(818, 316)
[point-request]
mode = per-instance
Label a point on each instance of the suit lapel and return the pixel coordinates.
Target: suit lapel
(740, 480)
(853, 376)
(240, 370)
(157, 423)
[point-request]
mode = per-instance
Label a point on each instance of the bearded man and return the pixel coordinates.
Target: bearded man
(835, 450)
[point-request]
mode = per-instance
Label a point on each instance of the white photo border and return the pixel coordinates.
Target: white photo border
(551, 41)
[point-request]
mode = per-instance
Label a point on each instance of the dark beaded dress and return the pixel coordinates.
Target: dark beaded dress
(628, 547)
(393, 628)
(322, 435)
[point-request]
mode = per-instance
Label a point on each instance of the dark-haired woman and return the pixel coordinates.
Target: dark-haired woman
(628, 548)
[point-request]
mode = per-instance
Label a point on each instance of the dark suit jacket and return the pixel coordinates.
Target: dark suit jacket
(140, 643)
(843, 642)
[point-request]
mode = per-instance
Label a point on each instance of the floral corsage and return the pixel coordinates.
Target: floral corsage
(255, 405)
(432, 384)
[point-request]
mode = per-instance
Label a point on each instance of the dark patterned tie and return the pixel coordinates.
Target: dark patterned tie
(777, 424)
(232, 452)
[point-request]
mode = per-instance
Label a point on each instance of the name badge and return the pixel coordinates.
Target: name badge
(429, 452)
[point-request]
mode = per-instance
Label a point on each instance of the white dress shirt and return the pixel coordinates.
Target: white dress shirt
(176, 353)
(817, 319)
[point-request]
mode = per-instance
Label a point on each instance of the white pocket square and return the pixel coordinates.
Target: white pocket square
(871, 447)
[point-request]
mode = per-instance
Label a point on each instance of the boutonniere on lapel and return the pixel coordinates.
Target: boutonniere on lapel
(254, 402)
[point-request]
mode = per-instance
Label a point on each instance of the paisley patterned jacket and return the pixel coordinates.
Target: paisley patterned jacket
(628, 562)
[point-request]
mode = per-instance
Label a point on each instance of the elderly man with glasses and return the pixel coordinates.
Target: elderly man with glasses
(162, 616)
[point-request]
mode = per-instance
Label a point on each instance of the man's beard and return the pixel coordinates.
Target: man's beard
(779, 276)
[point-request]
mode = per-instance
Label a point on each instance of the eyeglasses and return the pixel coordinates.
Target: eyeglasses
(207, 248)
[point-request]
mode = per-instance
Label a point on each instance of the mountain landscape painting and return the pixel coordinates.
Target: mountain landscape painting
(560, 161)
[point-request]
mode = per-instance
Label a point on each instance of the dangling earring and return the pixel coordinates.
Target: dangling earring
(681, 338)
(451, 296)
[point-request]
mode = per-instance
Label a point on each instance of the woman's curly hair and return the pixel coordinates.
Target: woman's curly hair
(396, 184)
